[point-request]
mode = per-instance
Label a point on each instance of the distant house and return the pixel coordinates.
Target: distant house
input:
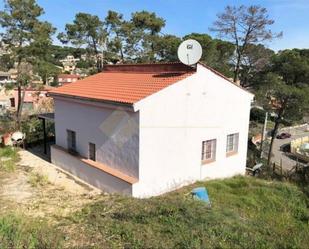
(32, 99)
(5, 78)
(147, 129)
(64, 79)
(69, 63)
(4, 103)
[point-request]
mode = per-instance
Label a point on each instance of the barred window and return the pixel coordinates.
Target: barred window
(209, 150)
(92, 152)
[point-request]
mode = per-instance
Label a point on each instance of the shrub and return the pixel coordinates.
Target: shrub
(33, 129)
(8, 158)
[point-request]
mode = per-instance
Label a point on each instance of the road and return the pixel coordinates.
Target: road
(278, 154)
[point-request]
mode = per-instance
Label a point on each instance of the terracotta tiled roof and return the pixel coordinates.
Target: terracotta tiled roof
(126, 83)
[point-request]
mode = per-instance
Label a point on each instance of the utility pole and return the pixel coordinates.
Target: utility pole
(263, 134)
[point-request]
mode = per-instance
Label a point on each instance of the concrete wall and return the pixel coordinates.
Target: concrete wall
(114, 131)
(175, 121)
(91, 175)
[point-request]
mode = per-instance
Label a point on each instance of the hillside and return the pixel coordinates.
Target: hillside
(245, 213)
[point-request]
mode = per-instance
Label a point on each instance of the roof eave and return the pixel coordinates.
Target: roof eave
(117, 103)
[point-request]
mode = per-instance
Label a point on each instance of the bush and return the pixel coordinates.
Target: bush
(8, 158)
(33, 129)
(20, 232)
(257, 115)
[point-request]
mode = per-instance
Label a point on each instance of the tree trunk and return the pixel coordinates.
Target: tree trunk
(237, 69)
(120, 49)
(275, 131)
(121, 55)
(98, 60)
(20, 100)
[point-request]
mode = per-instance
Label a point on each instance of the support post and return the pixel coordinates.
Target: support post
(44, 134)
(263, 134)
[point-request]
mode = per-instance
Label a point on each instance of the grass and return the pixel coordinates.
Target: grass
(37, 180)
(19, 232)
(8, 158)
(246, 213)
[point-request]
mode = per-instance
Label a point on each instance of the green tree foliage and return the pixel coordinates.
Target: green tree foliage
(166, 47)
(26, 37)
(286, 83)
(6, 62)
(292, 66)
(86, 30)
(58, 53)
(255, 60)
(243, 26)
(116, 29)
(216, 53)
(148, 26)
(46, 70)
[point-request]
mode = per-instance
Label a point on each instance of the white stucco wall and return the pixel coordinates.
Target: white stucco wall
(113, 129)
(89, 174)
(175, 121)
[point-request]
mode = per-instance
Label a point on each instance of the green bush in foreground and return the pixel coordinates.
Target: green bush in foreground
(20, 233)
(246, 213)
(8, 158)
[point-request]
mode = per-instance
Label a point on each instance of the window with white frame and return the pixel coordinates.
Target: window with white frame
(232, 143)
(209, 150)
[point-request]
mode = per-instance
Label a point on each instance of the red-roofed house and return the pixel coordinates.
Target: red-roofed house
(64, 79)
(147, 129)
(32, 99)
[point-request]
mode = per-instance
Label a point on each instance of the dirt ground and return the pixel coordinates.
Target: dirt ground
(39, 189)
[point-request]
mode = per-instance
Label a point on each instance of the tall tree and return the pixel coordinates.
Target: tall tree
(208, 46)
(46, 70)
(285, 93)
(115, 28)
(86, 30)
(26, 37)
(216, 53)
(243, 26)
(149, 26)
(166, 48)
(256, 59)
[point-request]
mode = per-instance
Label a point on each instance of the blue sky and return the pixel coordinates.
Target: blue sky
(186, 16)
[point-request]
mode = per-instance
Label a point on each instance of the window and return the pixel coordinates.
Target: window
(28, 106)
(92, 151)
(209, 150)
(232, 144)
(71, 137)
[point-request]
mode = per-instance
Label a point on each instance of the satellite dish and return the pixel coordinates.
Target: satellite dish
(189, 52)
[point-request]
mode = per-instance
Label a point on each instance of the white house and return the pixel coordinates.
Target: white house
(147, 129)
